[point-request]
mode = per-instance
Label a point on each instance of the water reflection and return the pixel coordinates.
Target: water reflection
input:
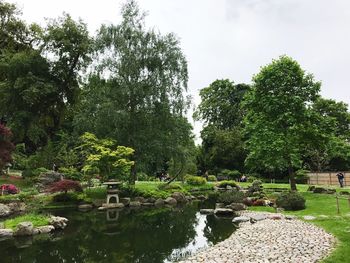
(128, 236)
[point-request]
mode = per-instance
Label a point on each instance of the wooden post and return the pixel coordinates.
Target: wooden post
(338, 210)
(349, 201)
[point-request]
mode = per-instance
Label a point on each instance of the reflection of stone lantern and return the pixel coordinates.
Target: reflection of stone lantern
(113, 194)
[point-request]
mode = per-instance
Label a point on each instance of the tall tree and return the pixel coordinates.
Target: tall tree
(278, 116)
(138, 90)
(222, 141)
(39, 74)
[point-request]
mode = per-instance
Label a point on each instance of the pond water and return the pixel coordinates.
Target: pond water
(128, 236)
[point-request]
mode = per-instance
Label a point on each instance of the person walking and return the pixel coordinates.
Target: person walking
(340, 176)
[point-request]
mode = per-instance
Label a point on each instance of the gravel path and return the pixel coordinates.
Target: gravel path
(274, 239)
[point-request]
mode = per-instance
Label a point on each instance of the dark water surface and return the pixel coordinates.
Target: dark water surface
(127, 236)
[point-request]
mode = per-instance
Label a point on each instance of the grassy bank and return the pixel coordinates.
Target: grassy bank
(36, 219)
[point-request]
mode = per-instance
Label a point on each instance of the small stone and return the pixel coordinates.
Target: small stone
(223, 212)
(58, 222)
(113, 205)
(147, 204)
(44, 229)
(85, 207)
(135, 204)
(237, 206)
(170, 201)
(125, 200)
(179, 197)
(6, 233)
(159, 202)
(240, 219)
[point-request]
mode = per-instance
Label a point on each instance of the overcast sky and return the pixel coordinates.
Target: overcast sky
(234, 38)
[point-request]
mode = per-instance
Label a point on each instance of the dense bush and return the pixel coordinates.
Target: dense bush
(229, 174)
(224, 184)
(66, 197)
(255, 187)
(230, 197)
(9, 189)
(32, 173)
(291, 201)
(195, 180)
(65, 186)
(71, 173)
(212, 178)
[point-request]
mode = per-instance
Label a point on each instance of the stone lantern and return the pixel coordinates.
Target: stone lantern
(112, 192)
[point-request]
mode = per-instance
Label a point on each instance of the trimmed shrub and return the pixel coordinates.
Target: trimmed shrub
(212, 178)
(224, 184)
(65, 186)
(291, 201)
(195, 180)
(66, 197)
(230, 197)
(255, 187)
(170, 187)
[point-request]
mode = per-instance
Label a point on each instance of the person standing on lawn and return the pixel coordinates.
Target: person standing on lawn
(340, 176)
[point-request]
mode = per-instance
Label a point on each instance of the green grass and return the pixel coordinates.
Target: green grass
(320, 205)
(37, 220)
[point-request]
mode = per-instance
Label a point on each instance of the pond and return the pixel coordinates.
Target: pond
(127, 236)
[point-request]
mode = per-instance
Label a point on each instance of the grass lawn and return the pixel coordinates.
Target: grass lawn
(321, 205)
(37, 220)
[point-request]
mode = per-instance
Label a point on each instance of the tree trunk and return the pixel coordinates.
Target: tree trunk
(291, 173)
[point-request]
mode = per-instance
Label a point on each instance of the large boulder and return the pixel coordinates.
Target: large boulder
(170, 201)
(113, 205)
(6, 233)
(4, 210)
(24, 229)
(179, 197)
(47, 178)
(58, 222)
(224, 212)
(17, 207)
(237, 206)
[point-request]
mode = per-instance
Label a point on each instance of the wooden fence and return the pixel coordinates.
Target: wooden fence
(327, 178)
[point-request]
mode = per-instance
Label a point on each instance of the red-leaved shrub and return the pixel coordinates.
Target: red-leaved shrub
(65, 186)
(9, 189)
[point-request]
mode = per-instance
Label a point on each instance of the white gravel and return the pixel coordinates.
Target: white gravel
(270, 240)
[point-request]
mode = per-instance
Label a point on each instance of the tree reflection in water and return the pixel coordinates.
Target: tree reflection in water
(126, 236)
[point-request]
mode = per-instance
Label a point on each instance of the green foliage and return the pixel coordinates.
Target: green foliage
(172, 186)
(278, 122)
(256, 186)
(291, 201)
(225, 183)
(195, 180)
(70, 197)
(140, 100)
(71, 173)
(212, 178)
(28, 173)
(230, 197)
(36, 219)
(104, 156)
(229, 174)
